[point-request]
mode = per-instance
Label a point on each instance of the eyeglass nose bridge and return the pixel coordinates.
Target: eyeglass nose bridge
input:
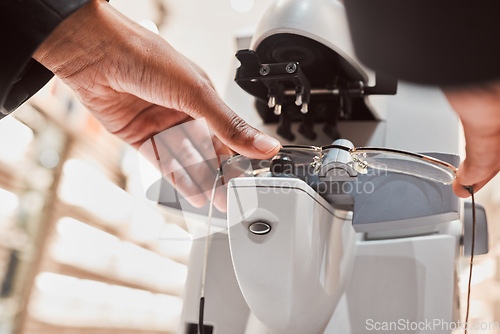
(338, 164)
(335, 171)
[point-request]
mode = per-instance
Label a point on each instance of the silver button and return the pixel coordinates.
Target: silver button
(260, 228)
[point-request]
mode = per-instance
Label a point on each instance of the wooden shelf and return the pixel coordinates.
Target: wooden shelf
(120, 231)
(38, 327)
(105, 148)
(9, 180)
(80, 214)
(86, 141)
(77, 272)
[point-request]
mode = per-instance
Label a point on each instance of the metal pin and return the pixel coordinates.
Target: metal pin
(298, 99)
(271, 102)
(305, 108)
(277, 109)
(341, 107)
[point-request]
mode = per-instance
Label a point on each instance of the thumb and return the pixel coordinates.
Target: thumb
(470, 173)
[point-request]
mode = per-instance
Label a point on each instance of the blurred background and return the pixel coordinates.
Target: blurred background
(81, 249)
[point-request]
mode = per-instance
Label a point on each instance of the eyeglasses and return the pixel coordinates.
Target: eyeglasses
(312, 158)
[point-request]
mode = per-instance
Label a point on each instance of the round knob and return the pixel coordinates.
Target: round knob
(282, 165)
(260, 228)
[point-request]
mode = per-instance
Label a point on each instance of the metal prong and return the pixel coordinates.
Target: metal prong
(277, 109)
(341, 107)
(305, 108)
(271, 102)
(360, 166)
(298, 99)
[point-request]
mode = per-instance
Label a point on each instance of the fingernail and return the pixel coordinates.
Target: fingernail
(265, 144)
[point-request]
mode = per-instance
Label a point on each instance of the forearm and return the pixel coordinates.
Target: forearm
(102, 56)
(82, 39)
(136, 84)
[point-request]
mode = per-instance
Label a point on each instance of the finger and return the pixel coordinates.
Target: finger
(183, 184)
(149, 121)
(471, 173)
(198, 152)
(230, 128)
(173, 171)
(204, 140)
(174, 84)
(223, 152)
(460, 190)
(213, 152)
(190, 160)
(201, 138)
(202, 172)
(182, 145)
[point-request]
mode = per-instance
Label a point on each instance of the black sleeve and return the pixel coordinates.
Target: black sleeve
(24, 25)
(427, 41)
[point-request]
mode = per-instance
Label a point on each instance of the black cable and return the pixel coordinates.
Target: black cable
(201, 327)
(470, 189)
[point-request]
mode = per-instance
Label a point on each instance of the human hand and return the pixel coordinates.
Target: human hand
(188, 156)
(137, 85)
(479, 111)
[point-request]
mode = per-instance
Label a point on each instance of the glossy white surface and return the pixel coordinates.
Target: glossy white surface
(282, 274)
(412, 279)
(292, 277)
(321, 20)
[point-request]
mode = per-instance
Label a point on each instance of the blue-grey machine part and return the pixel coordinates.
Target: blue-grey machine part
(481, 239)
(383, 201)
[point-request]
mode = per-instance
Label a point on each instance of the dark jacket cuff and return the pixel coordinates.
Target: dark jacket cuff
(24, 25)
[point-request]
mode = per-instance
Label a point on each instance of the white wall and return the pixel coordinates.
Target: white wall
(203, 30)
